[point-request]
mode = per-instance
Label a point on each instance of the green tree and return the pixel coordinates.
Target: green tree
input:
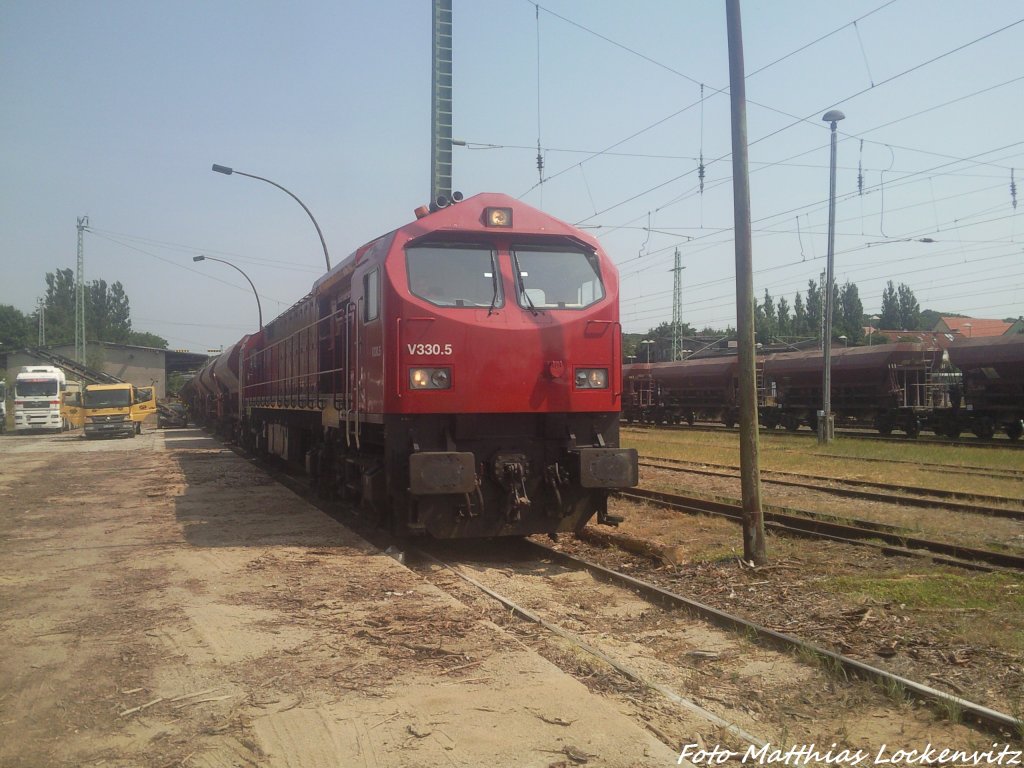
(146, 339)
(799, 316)
(15, 328)
(890, 318)
(59, 305)
(765, 325)
(851, 313)
(814, 309)
(910, 310)
(930, 318)
(107, 312)
(783, 322)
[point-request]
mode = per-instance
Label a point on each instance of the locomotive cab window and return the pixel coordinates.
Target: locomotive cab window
(371, 294)
(455, 276)
(560, 278)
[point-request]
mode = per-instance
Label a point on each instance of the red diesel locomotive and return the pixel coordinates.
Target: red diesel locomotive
(459, 376)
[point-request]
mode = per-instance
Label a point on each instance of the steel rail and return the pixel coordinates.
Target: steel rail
(989, 719)
(940, 501)
(973, 442)
(862, 534)
(579, 642)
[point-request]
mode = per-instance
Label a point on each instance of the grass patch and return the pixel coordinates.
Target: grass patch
(985, 592)
(840, 459)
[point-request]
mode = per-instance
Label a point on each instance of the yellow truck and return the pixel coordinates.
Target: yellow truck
(71, 410)
(116, 409)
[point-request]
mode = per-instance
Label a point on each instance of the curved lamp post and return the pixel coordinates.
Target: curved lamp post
(259, 309)
(228, 171)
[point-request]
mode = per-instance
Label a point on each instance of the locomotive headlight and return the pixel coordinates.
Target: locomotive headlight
(591, 378)
(497, 217)
(430, 378)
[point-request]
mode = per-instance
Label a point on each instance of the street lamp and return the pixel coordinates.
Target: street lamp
(228, 171)
(259, 309)
(843, 339)
(833, 116)
(647, 343)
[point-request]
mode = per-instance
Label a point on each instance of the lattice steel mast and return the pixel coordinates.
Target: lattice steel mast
(677, 306)
(441, 103)
(83, 224)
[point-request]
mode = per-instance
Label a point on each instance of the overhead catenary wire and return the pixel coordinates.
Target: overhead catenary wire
(887, 183)
(797, 120)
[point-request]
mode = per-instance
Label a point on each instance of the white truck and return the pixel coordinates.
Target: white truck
(3, 406)
(37, 398)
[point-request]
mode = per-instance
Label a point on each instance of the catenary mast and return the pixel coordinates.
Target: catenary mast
(83, 224)
(441, 103)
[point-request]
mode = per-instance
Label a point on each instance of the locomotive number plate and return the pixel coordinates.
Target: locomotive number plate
(429, 349)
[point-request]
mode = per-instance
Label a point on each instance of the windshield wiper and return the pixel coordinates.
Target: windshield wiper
(522, 287)
(494, 283)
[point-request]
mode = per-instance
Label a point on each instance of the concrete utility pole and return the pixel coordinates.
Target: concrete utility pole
(825, 428)
(750, 475)
(441, 103)
(41, 315)
(83, 224)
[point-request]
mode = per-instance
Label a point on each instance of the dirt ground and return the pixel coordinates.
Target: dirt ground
(164, 603)
(961, 648)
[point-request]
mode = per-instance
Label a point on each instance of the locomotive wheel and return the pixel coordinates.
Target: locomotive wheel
(913, 429)
(790, 422)
(953, 432)
(1014, 430)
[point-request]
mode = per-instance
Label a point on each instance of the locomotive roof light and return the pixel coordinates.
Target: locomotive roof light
(497, 217)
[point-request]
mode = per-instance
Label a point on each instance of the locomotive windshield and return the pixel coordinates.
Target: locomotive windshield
(557, 278)
(455, 276)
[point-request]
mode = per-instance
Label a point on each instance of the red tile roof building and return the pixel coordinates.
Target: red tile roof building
(976, 327)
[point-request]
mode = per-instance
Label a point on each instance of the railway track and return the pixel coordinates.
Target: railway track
(972, 442)
(888, 539)
(1001, 473)
(907, 496)
(984, 718)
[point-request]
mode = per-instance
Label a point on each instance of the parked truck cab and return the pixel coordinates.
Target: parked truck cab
(37, 391)
(116, 409)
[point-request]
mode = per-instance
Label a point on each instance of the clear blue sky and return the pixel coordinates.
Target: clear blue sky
(116, 110)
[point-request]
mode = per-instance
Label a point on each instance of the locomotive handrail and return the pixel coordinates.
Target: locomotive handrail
(617, 358)
(615, 324)
(355, 322)
(398, 357)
